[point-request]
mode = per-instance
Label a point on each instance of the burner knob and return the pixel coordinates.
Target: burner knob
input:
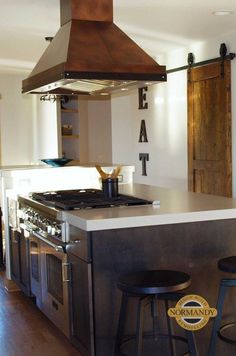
(57, 230)
(49, 229)
(54, 231)
(35, 218)
(39, 221)
(44, 224)
(28, 214)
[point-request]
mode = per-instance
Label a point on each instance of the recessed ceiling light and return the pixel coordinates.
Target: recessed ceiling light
(222, 12)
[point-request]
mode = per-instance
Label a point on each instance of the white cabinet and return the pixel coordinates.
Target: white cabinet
(69, 129)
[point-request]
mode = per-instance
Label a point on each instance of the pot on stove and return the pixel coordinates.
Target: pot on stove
(110, 188)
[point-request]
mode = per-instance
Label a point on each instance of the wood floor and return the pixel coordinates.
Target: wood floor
(25, 331)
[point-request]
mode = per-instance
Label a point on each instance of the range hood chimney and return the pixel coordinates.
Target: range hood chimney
(91, 55)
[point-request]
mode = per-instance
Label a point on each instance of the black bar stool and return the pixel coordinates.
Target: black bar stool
(148, 287)
(227, 264)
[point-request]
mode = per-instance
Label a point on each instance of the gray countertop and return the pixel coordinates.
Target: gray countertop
(171, 207)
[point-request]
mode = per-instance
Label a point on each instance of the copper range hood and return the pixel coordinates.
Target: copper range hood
(91, 55)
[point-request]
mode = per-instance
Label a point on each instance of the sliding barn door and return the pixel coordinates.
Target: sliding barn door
(209, 129)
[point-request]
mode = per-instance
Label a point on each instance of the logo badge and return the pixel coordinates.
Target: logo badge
(192, 312)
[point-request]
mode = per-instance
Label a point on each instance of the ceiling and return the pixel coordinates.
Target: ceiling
(158, 26)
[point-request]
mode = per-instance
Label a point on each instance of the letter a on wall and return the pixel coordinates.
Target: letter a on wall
(143, 132)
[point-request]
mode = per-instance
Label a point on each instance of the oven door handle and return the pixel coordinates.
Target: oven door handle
(57, 248)
(66, 272)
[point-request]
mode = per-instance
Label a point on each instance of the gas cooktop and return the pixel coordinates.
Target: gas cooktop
(84, 199)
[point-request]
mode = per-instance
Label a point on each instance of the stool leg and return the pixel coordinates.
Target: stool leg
(139, 330)
(192, 347)
(169, 326)
(121, 323)
(217, 321)
(154, 316)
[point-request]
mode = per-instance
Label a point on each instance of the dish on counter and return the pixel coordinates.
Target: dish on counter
(56, 162)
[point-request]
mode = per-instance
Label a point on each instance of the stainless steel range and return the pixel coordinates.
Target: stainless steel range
(85, 199)
(41, 211)
(48, 236)
(49, 268)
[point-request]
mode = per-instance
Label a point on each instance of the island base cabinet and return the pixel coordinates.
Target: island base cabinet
(19, 250)
(194, 248)
(81, 311)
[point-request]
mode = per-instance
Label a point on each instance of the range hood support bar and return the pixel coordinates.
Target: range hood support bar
(90, 10)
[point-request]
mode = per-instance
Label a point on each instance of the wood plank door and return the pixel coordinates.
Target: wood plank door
(209, 129)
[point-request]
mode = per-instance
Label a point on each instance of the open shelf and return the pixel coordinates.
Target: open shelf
(69, 110)
(70, 136)
(69, 121)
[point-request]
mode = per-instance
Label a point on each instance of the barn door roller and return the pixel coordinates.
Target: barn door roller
(223, 56)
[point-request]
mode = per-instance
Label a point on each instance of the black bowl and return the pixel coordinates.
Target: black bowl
(56, 162)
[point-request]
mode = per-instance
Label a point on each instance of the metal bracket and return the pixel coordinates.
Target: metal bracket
(190, 63)
(223, 53)
(191, 59)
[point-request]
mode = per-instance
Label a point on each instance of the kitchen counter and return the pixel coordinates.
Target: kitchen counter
(188, 232)
(170, 207)
(72, 163)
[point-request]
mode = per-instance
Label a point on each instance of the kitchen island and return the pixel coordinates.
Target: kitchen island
(183, 231)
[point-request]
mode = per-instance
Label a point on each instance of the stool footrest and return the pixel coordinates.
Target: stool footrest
(149, 335)
(225, 338)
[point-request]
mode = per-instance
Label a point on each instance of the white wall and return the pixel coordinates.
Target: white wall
(99, 131)
(123, 135)
(28, 127)
(166, 121)
(45, 132)
(83, 131)
(15, 121)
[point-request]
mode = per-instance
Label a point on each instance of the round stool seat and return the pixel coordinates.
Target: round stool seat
(154, 282)
(227, 264)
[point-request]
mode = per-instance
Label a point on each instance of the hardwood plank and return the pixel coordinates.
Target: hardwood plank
(25, 331)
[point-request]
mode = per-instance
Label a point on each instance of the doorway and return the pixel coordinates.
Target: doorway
(209, 129)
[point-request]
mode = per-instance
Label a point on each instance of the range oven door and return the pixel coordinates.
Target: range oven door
(55, 274)
(35, 267)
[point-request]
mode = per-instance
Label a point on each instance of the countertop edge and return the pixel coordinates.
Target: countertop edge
(149, 220)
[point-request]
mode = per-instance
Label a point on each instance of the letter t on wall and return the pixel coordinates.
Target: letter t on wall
(144, 157)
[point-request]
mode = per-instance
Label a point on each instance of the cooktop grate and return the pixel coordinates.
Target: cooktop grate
(84, 199)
